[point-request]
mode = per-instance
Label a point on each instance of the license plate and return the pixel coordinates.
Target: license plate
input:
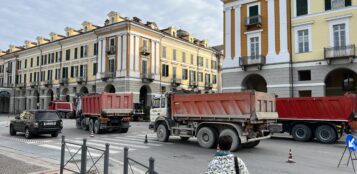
(50, 123)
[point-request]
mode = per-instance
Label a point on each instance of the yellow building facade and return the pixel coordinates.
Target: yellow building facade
(124, 55)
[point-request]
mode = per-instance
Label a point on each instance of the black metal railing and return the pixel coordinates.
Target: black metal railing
(208, 85)
(253, 20)
(111, 49)
(176, 81)
(340, 52)
(63, 81)
(145, 51)
(147, 77)
(81, 79)
(33, 84)
(107, 75)
(256, 60)
(193, 84)
(127, 163)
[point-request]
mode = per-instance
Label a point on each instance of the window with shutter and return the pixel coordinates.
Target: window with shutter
(301, 7)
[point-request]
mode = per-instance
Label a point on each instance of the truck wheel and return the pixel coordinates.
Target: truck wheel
(301, 132)
(28, 133)
(12, 130)
(251, 144)
(236, 144)
(162, 133)
(206, 137)
(84, 125)
(97, 129)
(91, 125)
(325, 134)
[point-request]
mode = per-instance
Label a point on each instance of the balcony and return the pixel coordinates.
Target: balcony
(341, 52)
(81, 80)
(63, 81)
(257, 60)
(8, 70)
(175, 82)
(193, 84)
(46, 83)
(147, 78)
(253, 21)
(111, 50)
(21, 85)
(107, 76)
(145, 51)
(208, 86)
(34, 84)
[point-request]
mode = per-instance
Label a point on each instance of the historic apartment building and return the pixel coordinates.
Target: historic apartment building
(124, 55)
(290, 47)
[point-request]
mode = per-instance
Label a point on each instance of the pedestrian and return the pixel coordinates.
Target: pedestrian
(224, 162)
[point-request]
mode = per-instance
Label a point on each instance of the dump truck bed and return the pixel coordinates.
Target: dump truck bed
(236, 106)
(339, 108)
(107, 103)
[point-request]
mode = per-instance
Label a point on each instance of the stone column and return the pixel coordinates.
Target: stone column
(237, 39)
(271, 56)
(227, 31)
(99, 62)
(284, 54)
(119, 58)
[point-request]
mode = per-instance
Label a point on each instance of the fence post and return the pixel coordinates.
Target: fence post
(84, 157)
(151, 165)
(106, 159)
(62, 154)
(126, 160)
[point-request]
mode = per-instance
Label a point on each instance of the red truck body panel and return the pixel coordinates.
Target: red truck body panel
(239, 105)
(107, 102)
(60, 105)
(337, 108)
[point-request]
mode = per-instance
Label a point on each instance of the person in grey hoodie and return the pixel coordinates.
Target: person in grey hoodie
(224, 162)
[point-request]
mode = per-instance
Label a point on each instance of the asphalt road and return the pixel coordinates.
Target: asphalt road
(177, 157)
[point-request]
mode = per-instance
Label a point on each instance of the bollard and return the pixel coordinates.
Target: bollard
(106, 159)
(126, 160)
(63, 146)
(151, 165)
(146, 139)
(84, 157)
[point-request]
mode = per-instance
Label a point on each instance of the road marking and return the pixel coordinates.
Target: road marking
(130, 141)
(151, 141)
(70, 150)
(111, 147)
(125, 144)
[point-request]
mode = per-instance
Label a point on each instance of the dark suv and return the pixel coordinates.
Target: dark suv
(37, 122)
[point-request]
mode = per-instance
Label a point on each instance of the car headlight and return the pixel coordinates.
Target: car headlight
(35, 124)
(61, 122)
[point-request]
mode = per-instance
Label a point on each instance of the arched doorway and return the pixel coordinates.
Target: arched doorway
(65, 94)
(4, 102)
(145, 95)
(49, 97)
(83, 90)
(340, 81)
(109, 88)
(255, 82)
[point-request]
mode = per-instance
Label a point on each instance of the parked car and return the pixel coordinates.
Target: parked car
(35, 122)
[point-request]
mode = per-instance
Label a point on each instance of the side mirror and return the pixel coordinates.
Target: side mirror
(17, 117)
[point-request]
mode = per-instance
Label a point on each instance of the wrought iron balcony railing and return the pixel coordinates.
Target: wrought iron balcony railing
(147, 77)
(107, 75)
(21, 85)
(348, 51)
(81, 79)
(253, 20)
(111, 49)
(46, 82)
(175, 81)
(63, 81)
(256, 60)
(145, 51)
(34, 84)
(193, 84)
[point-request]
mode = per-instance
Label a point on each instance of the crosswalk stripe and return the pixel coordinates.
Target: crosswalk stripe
(125, 144)
(71, 150)
(152, 141)
(110, 147)
(101, 144)
(129, 141)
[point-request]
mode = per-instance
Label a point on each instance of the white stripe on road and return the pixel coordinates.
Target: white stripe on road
(130, 141)
(152, 141)
(125, 144)
(110, 147)
(71, 150)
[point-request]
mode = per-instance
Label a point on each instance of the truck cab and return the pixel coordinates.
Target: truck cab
(159, 108)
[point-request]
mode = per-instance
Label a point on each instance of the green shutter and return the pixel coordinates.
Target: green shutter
(253, 10)
(327, 4)
(348, 3)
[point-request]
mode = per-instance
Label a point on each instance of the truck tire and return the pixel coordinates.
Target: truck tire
(84, 125)
(236, 144)
(162, 133)
(301, 132)
(325, 134)
(251, 144)
(207, 137)
(12, 130)
(91, 125)
(97, 129)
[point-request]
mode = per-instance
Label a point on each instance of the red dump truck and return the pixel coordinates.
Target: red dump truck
(244, 116)
(64, 108)
(323, 118)
(105, 112)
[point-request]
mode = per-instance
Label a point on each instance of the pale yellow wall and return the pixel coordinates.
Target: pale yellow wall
(320, 29)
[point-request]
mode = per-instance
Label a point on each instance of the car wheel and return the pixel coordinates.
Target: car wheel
(301, 132)
(325, 134)
(12, 130)
(162, 133)
(28, 133)
(54, 134)
(236, 144)
(124, 130)
(97, 129)
(207, 137)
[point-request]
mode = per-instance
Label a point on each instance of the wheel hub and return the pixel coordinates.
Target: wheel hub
(300, 133)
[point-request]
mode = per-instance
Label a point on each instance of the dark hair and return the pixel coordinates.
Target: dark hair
(225, 142)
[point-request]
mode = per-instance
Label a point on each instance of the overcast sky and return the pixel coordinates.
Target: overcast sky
(26, 19)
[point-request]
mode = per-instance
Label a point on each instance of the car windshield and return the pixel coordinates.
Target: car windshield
(47, 116)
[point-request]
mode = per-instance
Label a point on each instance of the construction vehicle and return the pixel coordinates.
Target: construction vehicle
(323, 118)
(105, 112)
(245, 116)
(65, 109)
